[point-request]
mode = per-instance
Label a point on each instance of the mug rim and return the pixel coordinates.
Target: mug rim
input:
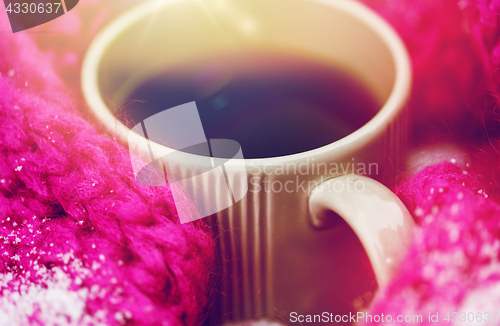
(393, 105)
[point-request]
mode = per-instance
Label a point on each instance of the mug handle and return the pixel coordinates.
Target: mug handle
(376, 215)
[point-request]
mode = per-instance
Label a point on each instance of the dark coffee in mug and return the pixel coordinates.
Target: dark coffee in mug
(273, 103)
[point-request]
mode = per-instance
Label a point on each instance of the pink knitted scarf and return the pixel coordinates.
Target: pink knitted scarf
(82, 243)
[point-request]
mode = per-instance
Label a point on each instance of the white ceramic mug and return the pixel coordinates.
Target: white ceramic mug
(281, 251)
